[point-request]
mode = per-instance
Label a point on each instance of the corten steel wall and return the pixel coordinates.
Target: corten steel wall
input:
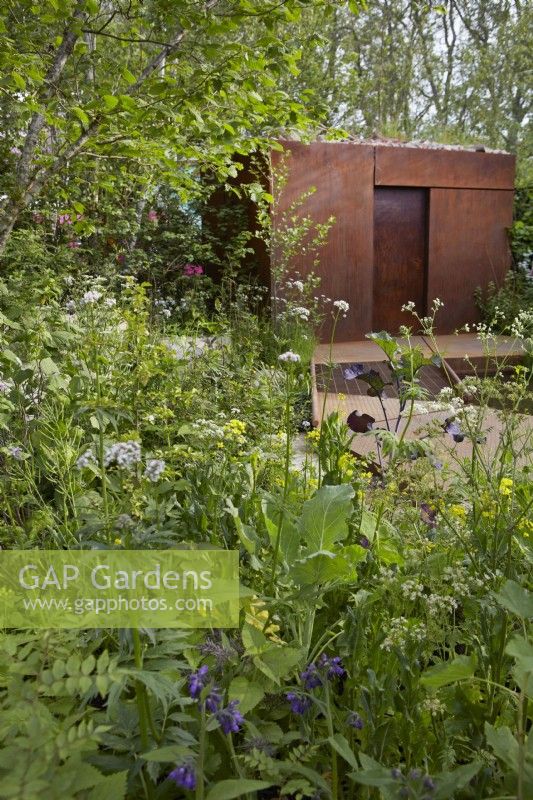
(343, 176)
(470, 199)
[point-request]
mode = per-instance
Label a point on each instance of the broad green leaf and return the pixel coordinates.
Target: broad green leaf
(342, 746)
(289, 543)
(503, 743)
(227, 790)
(248, 693)
(448, 672)
(18, 80)
(324, 520)
(128, 76)
(81, 115)
(110, 102)
(277, 662)
(169, 754)
(319, 568)
(447, 783)
(516, 599)
(112, 787)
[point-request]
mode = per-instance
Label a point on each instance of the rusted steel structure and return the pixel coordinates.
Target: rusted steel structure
(411, 223)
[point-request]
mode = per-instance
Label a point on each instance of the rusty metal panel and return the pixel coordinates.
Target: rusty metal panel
(343, 176)
(468, 247)
(400, 253)
(413, 166)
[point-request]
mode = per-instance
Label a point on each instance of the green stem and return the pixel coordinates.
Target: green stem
(334, 765)
(141, 699)
(200, 783)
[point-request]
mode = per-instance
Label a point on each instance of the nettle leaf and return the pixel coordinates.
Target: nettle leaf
(248, 693)
(278, 661)
(516, 599)
(447, 672)
(324, 519)
(324, 566)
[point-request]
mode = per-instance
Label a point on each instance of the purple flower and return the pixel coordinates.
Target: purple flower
(364, 542)
(152, 215)
(428, 783)
(353, 371)
(230, 718)
(213, 699)
(299, 703)
(198, 681)
(184, 775)
(355, 721)
(396, 773)
(310, 677)
(454, 430)
(332, 666)
(428, 514)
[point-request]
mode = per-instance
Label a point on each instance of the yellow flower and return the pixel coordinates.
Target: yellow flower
(506, 487)
(458, 511)
(257, 615)
(118, 540)
(525, 527)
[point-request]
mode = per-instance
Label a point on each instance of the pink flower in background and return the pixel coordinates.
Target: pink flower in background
(15, 151)
(152, 215)
(64, 219)
(73, 244)
(190, 270)
(38, 218)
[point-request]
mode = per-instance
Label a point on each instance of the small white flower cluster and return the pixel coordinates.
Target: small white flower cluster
(412, 589)
(437, 304)
(85, 459)
(70, 306)
(299, 311)
(522, 325)
(124, 521)
(298, 285)
(387, 575)
(403, 632)
(433, 706)
(410, 306)
(206, 429)
(342, 306)
(91, 297)
(289, 357)
(165, 306)
(462, 582)
(110, 302)
(154, 469)
(124, 454)
(441, 602)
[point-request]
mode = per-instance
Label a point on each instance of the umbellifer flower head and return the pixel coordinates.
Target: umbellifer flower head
(289, 357)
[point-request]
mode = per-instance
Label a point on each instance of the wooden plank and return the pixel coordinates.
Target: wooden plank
(343, 176)
(400, 253)
(413, 166)
(360, 351)
(468, 247)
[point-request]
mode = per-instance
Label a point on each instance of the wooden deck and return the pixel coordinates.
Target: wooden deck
(332, 392)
